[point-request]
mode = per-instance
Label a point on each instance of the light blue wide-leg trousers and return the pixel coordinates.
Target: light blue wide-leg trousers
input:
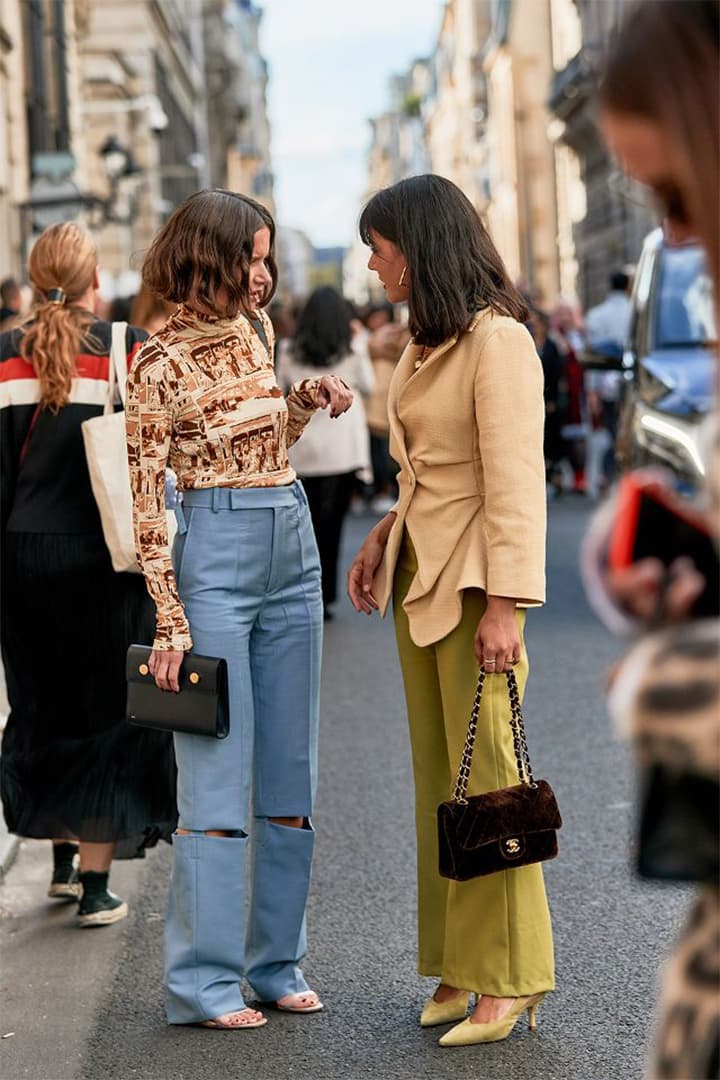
(248, 574)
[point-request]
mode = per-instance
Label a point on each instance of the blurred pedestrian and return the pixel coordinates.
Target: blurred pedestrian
(555, 395)
(283, 321)
(609, 322)
(386, 342)
(72, 770)
(149, 311)
(120, 310)
(661, 118)
(461, 556)
(568, 332)
(608, 325)
(245, 586)
(10, 301)
(331, 453)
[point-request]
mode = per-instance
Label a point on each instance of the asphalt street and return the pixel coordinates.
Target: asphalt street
(89, 1006)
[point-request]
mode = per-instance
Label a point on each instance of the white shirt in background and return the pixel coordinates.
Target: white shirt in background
(609, 321)
(330, 447)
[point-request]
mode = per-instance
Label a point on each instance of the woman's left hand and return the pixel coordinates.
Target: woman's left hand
(335, 395)
(498, 646)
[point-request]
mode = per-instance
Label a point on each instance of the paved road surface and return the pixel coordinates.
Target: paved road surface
(89, 1005)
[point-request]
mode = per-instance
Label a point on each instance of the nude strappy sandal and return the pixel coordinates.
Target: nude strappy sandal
(225, 1022)
(292, 1003)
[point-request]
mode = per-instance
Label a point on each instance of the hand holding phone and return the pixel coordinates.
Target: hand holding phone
(662, 559)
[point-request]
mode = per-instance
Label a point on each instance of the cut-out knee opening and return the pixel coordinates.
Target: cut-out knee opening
(292, 822)
(222, 834)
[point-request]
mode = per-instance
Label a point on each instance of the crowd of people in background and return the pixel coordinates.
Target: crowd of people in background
(73, 772)
(354, 471)
(582, 406)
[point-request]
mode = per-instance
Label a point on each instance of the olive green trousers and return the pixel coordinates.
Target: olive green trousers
(491, 935)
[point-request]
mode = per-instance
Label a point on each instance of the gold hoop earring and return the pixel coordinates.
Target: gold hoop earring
(401, 279)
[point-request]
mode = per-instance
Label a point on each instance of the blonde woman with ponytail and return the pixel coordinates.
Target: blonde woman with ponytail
(71, 769)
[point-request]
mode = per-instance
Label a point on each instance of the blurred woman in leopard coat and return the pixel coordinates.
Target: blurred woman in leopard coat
(661, 71)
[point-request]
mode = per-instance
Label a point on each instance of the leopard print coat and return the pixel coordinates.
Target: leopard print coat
(667, 698)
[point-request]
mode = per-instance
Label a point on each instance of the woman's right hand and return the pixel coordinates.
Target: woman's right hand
(365, 563)
(164, 666)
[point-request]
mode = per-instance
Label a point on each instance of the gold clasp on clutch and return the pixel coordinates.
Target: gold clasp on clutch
(512, 847)
(144, 669)
(194, 678)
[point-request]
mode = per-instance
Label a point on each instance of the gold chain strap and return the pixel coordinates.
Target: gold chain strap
(517, 726)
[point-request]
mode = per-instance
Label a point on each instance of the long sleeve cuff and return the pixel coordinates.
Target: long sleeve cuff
(303, 401)
(168, 639)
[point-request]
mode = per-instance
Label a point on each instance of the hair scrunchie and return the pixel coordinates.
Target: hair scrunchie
(56, 296)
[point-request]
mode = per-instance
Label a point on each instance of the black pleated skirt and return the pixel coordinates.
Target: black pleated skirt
(71, 766)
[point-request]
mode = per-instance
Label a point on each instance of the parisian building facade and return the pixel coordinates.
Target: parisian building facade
(507, 111)
(104, 117)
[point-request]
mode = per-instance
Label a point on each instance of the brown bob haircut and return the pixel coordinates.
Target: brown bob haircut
(453, 267)
(200, 248)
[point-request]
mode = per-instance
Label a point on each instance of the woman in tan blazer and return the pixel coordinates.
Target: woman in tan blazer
(461, 555)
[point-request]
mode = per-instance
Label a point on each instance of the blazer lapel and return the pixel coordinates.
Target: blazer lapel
(407, 380)
(415, 379)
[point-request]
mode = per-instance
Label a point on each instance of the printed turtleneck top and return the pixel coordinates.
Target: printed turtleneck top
(203, 400)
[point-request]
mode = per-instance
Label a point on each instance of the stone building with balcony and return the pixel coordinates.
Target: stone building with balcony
(455, 108)
(14, 158)
(142, 96)
(238, 77)
(482, 122)
(519, 166)
(397, 150)
(40, 125)
(609, 234)
(104, 117)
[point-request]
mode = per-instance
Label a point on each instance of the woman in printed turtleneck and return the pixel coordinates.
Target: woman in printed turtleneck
(244, 584)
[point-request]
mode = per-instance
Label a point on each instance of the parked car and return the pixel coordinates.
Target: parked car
(668, 362)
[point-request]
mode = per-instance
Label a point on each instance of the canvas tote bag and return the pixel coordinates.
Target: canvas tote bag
(106, 453)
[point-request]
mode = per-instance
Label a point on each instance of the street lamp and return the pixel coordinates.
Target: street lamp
(120, 169)
(115, 158)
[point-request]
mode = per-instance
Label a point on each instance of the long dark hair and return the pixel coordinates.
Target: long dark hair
(453, 267)
(323, 328)
(663, 67)
(199, 249)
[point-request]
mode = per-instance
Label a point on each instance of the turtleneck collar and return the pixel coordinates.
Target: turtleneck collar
(210, 324)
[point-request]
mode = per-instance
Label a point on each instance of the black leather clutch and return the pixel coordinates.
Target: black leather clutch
(201, 707)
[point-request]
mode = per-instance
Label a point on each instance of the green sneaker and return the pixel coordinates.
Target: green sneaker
(98, 906)
(65, 884)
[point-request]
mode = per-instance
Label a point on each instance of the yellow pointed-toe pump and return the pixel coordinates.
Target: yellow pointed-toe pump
(468, 1034)
(444, 1012)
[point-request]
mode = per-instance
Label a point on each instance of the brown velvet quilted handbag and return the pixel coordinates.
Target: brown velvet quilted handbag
(501, 829)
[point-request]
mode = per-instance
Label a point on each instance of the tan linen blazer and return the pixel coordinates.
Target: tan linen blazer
(466, 429)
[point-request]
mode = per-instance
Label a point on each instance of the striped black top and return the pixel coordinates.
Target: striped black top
(44, 481)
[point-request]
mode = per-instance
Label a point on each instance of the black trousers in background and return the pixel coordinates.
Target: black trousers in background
(385, 470)
(329, 498)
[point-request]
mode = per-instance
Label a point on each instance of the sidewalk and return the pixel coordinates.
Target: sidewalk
(54, 973)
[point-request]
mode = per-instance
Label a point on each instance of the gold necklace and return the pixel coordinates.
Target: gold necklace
(426, 350)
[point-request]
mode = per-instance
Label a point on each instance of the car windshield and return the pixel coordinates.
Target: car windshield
(685, 310)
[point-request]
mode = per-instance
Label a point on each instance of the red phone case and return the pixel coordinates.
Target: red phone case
(633, 488)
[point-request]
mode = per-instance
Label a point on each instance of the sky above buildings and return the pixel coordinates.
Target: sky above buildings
(330, 62)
